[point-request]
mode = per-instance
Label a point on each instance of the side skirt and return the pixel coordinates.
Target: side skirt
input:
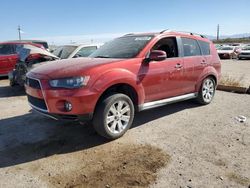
(163, 102)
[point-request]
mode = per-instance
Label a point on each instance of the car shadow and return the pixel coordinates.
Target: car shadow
(8, 91)
(31, 137)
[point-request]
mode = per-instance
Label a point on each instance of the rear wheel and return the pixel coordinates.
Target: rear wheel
(114, 116)
(207, 91)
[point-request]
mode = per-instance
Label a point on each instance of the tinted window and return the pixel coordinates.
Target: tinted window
(168, 45)
(45, 44)
(205, 47)
(86, 51)
(190, 47)
(124, 47)
(6, 49)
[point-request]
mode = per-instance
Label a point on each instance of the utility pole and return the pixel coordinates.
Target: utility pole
(19, 32)
(218, 32)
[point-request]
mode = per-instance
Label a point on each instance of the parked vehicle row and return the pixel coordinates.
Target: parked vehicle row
(35, 52)
(233, 51)
(132, 73)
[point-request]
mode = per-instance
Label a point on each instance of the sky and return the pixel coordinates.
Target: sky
(64, 21)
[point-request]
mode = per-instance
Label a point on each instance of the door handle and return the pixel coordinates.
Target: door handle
(178, 66)
(203, 62)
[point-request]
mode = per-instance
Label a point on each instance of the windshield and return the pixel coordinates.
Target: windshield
(124, 47)
(227, 48)
(45, 44)
(64, 52)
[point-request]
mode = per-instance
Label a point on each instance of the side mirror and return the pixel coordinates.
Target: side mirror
(157, 55)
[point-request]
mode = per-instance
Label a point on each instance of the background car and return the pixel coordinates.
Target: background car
(228, 52)
(9, 57)
(40, 42)
(245, 53)
(75, 50)
(29, 56)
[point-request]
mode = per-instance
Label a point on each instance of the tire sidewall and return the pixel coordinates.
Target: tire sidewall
(201, 92)
(108, 102)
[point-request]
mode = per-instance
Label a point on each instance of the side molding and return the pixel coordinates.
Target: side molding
(162, 102)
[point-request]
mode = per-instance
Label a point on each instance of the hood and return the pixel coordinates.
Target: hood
(224, 51)
(70, 67)
(245, 51)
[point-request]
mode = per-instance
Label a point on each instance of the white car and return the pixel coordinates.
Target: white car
(245, 53)
(75, 50)
(228, 52)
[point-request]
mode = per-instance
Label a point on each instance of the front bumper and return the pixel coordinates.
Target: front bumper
(225, 56)
(81, 118)
(51, 102)
(244, 56)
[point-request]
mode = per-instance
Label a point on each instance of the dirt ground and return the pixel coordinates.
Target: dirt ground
(237, 69)
(179, 145)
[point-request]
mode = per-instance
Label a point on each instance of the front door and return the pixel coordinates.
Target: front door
(163, 79)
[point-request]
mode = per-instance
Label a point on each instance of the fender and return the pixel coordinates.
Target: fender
(208, 71)
(118, 76)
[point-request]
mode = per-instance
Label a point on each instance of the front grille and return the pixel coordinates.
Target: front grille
(36, 102)
(245, 53)
(32, 83)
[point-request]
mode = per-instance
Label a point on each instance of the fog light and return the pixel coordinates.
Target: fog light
(67, 106)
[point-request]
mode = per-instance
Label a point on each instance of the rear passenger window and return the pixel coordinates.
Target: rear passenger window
(190, 47)
(205, 47)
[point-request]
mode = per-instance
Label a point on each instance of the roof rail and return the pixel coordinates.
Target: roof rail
(165, 30)
(190, 33)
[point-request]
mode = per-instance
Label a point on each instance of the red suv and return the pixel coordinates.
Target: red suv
(132, 73)
(9, 57)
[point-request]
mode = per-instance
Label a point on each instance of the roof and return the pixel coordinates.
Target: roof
(168, 32)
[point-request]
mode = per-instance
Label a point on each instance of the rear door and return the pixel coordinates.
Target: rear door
(194, 63)
(8, 58)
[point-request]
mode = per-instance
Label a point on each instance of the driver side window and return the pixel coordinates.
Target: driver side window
(168, 45)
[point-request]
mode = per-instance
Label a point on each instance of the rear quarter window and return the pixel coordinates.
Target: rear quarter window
(205, 47)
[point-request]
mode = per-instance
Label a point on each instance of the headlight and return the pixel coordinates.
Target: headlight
(74, 82)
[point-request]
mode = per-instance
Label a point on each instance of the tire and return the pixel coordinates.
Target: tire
(207, 91)
(113, 116)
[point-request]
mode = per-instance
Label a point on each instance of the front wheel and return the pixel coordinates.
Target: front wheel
(114, 116)
(207, 91)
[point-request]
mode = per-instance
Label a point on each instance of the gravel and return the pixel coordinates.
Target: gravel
(204, 146)
(237, 69)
